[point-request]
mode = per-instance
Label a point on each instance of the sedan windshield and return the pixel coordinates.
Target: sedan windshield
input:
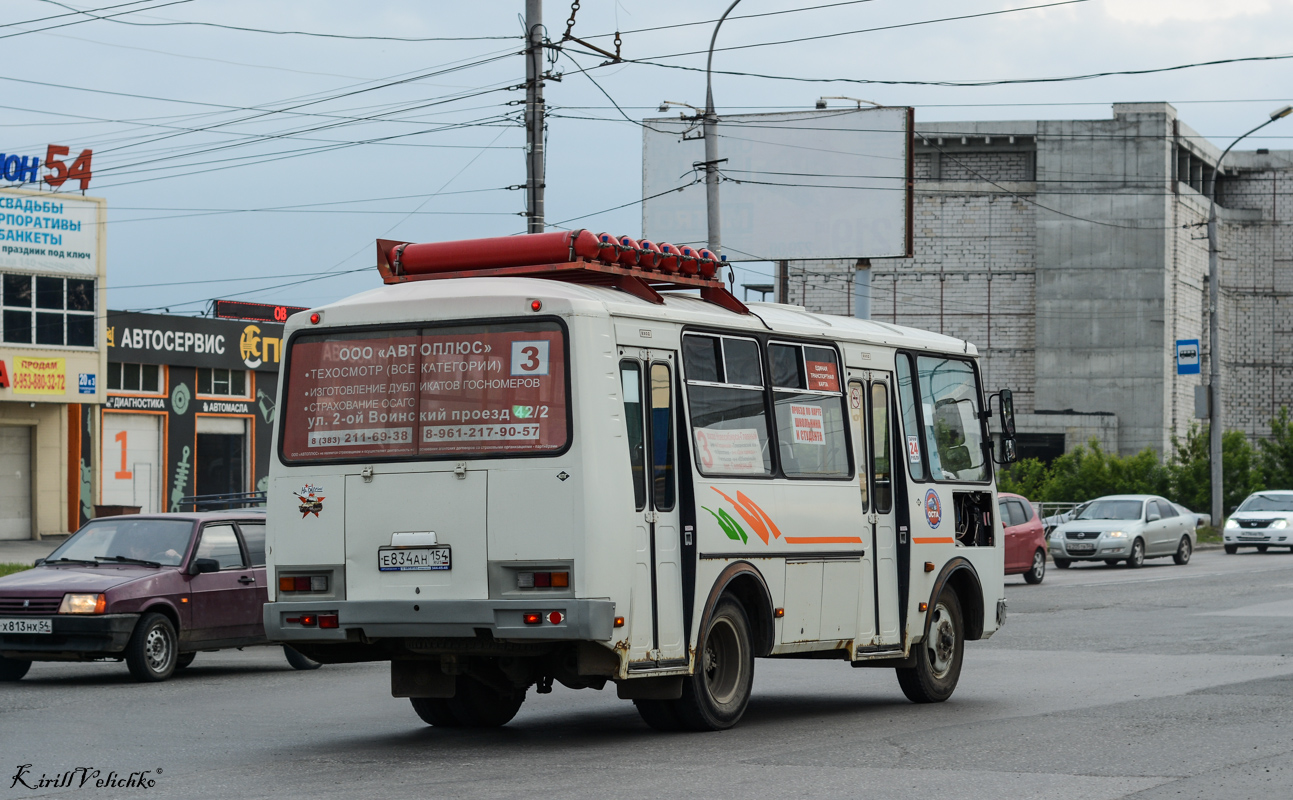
(161, 541)
(1112, 509)
(1268, 502)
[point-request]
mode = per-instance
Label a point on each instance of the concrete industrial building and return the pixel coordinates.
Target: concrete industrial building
(1074, 255)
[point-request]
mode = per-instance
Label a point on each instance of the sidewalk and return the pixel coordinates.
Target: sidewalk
(26, 551)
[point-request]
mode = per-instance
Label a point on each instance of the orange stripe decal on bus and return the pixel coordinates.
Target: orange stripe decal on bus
(932, 539)
(776, 533)
(825, 540)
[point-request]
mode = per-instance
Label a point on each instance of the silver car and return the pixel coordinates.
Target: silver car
(1124, 527)
(1264, 520)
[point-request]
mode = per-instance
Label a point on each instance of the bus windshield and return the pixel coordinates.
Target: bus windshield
(426, 393)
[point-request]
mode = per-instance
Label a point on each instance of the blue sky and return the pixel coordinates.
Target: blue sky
(260, 160)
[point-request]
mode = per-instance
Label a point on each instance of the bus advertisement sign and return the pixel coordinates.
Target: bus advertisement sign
(408, 393)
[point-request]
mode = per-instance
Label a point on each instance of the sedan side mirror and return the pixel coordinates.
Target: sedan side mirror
(38, 562)
(1153, 517)
(201, 565)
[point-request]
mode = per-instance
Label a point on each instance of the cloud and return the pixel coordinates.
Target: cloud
(1153, 12)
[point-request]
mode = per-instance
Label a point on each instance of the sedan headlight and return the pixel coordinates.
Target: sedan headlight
(1280, 523)
(1116, 535)
(1232, 523)
(83, 604)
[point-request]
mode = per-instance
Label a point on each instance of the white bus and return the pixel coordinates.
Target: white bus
(495, 482)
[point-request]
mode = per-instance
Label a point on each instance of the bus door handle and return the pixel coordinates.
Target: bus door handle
(649, 516)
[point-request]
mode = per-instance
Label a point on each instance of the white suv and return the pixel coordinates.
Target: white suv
(1264, 520)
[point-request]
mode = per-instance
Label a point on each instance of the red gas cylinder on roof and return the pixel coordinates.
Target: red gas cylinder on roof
(502, 251)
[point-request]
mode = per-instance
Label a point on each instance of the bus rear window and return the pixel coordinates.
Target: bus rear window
(426, 393)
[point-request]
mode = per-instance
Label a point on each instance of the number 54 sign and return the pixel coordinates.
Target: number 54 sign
(61, 172)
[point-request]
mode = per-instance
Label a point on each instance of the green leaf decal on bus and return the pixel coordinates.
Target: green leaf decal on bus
(730, 526)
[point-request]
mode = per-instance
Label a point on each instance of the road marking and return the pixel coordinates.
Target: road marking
(1278, 608)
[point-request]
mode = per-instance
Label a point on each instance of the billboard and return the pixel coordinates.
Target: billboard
(796, 185)
(49, 233)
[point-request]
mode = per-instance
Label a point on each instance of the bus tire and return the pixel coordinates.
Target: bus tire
(479, 706)
(299, 661)
(659, 714)
(715, 697)
(938, 656)
(435, 711)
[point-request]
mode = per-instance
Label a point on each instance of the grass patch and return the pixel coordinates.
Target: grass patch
(1209, 535)
(9, 568)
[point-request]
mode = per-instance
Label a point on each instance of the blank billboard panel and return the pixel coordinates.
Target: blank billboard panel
(798, 185)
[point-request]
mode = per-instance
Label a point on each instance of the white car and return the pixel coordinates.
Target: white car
(1264, 520)
(1124, 527)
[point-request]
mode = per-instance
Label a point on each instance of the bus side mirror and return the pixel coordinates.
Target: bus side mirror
(1007, 453)
(1006, 412)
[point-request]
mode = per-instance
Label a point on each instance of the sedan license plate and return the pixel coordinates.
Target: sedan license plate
(26, 626)
(413, 559)
(1258, 536)
(1081, 548)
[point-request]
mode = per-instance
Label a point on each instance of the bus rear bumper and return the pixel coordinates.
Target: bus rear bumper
(586, 620)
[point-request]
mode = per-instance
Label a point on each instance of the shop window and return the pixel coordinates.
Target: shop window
(809, 406)
(134, 377)
(49, 311)
(223, 382)
(728, 415)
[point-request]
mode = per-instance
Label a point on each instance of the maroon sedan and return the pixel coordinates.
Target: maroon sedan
(1025, 538)
(152, 590)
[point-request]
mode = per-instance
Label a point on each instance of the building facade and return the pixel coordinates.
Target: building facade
(1074, 255)
(52, 359)
(189, 408)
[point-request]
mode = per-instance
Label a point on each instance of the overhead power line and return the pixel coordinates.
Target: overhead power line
(172, 23)
(836, 34)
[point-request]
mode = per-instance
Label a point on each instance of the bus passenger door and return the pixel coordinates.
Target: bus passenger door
(657, 634)
(880, 414)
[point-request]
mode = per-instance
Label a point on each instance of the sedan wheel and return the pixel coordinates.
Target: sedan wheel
(1183, 552)
(153, 650)
(1038, 570)
(1261, 548)
(1137, 559)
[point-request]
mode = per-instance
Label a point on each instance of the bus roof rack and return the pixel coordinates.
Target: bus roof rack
(641, 268)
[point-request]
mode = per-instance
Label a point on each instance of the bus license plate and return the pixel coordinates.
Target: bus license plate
(26, 626)
(413, 559)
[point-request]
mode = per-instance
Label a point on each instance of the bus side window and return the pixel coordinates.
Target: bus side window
(729, 419)
(631, 382)
(881, 452)
(661, 438)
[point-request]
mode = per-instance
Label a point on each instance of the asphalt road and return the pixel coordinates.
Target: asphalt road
(1167, 682)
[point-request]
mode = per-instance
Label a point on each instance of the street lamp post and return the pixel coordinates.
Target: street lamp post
(1214, 327)
(710, 127)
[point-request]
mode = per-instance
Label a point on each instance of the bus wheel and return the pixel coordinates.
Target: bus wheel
(479, 706)
(938, 657)
(435, 711)
(715, 697)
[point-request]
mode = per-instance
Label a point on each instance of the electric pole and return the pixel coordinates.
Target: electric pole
(534, 115)
(1215, 421)
(710, 128)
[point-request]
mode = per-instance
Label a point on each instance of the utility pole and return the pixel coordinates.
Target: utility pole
(535, 114)
(1215, 419)
(710, 128)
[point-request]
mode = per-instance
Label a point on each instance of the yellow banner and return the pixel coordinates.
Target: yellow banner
(39, 376)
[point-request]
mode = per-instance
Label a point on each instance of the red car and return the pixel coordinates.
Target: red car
(152, 590)
(1025, 539)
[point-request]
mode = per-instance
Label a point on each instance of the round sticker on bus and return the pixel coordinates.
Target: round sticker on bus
(933, 508)
(855, 397)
